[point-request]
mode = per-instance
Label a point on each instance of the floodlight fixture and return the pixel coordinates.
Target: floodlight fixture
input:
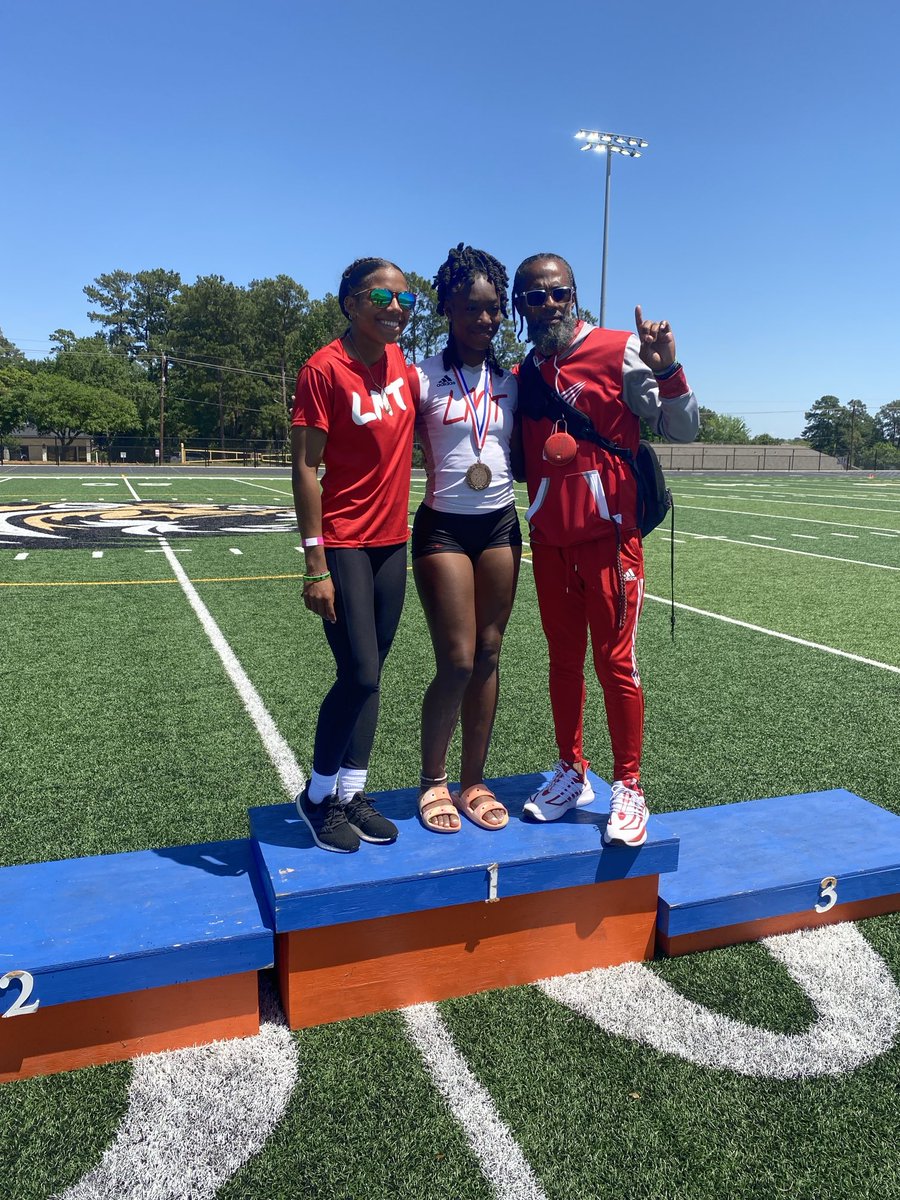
(608, 144)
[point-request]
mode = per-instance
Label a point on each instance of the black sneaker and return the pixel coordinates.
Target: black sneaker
(327, 823)
(368, 822)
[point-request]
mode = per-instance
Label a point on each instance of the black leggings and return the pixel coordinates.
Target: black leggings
(369, 590)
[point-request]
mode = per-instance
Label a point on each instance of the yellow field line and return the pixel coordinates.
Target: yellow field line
(141, 582)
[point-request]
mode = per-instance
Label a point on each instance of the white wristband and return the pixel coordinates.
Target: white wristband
(316, 541)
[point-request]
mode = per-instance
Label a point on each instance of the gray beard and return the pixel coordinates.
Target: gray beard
(554, 338)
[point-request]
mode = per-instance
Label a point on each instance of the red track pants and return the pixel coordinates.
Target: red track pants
(578, 590)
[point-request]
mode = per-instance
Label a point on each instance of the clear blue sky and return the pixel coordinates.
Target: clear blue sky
(249, 139)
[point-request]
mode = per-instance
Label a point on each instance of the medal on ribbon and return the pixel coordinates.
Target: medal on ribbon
(479, 475)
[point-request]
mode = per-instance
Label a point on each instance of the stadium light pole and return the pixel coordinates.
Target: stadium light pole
(608, 144)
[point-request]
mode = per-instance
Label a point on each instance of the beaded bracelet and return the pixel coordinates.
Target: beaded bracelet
(316, 578)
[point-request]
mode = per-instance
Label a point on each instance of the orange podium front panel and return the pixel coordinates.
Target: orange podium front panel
(340, 971)
(86, 1033)
(436, 916)
(108, 957)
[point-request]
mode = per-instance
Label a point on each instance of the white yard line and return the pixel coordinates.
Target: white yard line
(289, 772)
(813, 537)
(805, 503)
(502, 1161)
(130, 488)
(785, 637)
(96, 554)
(736, 512)
(856, 562)
(764, 537)
(250, 483)
(20, 557)
(234, 551)
(875, 534)
(847, 535)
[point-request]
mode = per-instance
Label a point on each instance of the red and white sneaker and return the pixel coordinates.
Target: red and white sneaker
(627, 825)
(566, 789)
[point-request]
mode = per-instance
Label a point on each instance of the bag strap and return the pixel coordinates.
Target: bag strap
(577, 421)
(557, 407)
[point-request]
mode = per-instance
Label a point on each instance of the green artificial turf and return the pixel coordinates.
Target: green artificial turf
(122, 731)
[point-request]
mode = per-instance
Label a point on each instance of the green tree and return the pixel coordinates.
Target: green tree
(862, 433)
(14, 388)
(135, 310)
(207, 380)
(91, 361)
(723, 428)
(9, 353)
(826, 426)
(63, 339)
(507, 347)
(888, 421)
(323, 322)
(766, 439)
(277, 309)
(426, 330)
(111, 293)
(68, 408)
(150, 312)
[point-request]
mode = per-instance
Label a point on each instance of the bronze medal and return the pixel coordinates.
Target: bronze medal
(478, 476)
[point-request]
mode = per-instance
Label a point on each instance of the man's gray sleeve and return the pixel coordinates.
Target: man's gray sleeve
(677, 419)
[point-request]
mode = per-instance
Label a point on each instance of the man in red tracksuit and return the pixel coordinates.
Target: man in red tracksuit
(586, 547)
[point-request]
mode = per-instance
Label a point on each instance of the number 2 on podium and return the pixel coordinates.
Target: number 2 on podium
(19, 1008)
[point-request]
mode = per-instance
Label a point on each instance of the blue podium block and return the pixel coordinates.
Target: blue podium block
(106, 957)
(762, 867)
(435, 915)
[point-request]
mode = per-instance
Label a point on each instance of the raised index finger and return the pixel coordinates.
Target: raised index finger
(638, 318)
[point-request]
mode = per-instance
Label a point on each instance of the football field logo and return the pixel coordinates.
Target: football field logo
(73, 525)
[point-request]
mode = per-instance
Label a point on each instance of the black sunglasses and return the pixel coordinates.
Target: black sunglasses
(537, 297)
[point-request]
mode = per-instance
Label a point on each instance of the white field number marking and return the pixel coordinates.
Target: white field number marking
(827, 894)
(19, 1008)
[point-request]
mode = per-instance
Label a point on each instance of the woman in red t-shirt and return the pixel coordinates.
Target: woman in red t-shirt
(354, 411)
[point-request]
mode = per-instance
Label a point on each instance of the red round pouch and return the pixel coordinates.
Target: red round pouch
(560, 447)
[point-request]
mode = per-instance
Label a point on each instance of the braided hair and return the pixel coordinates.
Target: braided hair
(354, 275)
(522, 271)
(463, 266)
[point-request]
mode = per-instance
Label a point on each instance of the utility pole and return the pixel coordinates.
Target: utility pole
(163, 380)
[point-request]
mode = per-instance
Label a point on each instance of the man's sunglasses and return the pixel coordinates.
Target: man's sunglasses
(381, 297)
(537, 297)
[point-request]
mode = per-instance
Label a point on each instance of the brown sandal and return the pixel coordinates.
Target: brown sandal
(437, 802)
(478, 800)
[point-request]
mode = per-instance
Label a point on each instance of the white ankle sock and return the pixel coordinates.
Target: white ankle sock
(321, 786)
(350, 781)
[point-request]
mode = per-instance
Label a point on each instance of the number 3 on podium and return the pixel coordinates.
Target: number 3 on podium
(827, 894)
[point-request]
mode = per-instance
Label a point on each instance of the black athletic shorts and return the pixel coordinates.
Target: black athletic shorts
(464, 533)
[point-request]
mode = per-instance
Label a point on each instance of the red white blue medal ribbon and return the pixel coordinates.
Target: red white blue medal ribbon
(479, 426)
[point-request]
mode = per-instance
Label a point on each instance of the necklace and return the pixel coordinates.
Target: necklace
(379, 388)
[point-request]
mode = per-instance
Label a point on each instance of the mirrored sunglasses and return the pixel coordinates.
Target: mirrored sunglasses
(381, 297)
(538, 296)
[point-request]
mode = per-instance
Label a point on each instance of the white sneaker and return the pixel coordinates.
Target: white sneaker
(628, 814)
(566, 789)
